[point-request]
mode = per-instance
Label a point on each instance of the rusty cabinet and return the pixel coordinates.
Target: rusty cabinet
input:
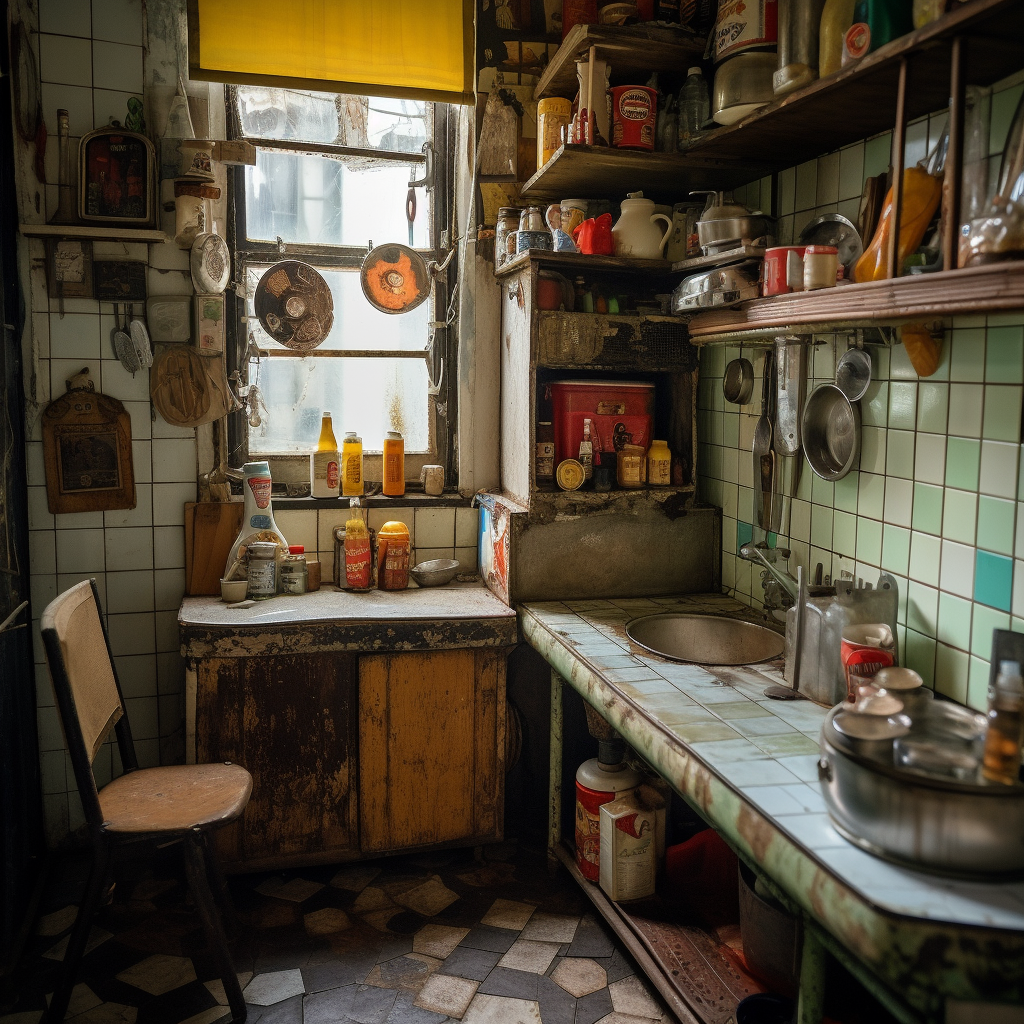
(356, 755)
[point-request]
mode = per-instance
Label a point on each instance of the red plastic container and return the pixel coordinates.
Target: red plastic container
(620, 412)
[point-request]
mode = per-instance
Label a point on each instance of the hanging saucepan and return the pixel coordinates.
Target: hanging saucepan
(294, 305)
(396, 278)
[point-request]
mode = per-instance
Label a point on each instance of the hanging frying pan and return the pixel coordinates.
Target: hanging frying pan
(294, 305)
(396, 278)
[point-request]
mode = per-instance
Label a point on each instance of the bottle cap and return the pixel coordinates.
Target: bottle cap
(693, 71)
(394, 435)
(296, 549)
(351, 435)
(326, 413)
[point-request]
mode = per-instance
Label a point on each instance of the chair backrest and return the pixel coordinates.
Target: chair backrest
(85, 683)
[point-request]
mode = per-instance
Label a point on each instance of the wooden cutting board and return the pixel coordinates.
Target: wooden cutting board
(210, 529)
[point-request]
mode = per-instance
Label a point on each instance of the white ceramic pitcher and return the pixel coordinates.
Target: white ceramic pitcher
(636, 231)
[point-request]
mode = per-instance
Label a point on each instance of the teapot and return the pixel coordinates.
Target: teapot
(636, 232)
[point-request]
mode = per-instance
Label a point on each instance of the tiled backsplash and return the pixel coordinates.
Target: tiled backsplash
(435, 532)
(937, 499)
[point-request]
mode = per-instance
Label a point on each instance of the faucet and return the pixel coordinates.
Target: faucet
(773, 578)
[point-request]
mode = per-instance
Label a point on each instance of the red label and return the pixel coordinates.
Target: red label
(261, 486)
(357, 562)
(332, 474)
(635, 105)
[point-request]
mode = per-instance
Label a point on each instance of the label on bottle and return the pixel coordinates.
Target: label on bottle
(856, 42)
(545, 460)
(393, 468)
(357, 562)
(354, 469)
(325, 474)
(260, 487)
(262, 577)
(259, 522)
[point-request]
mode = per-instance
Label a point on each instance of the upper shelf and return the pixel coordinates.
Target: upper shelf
(633, 51)
(599, 172)
(94, 232)
(579, 261)
(860, 101)
(924, 297)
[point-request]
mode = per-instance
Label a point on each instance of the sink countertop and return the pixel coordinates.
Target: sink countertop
(750, 765)
(421, 618)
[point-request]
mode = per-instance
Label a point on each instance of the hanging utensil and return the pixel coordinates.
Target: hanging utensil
(768, 509)
(853, 373)
(210, 259)
(395, 278)
(738, 382)
(122, 342)
(140, 341)
(791, 363)
(294, 305)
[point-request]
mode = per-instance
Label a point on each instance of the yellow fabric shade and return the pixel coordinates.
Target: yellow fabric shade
(420, 49)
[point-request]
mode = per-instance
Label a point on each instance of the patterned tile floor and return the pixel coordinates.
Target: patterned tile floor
(406, 940)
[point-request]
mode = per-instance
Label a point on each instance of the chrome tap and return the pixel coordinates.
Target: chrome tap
(781, 578)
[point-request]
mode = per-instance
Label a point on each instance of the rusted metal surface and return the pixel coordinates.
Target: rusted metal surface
(555, 773)
(916, 961)
(812, 981)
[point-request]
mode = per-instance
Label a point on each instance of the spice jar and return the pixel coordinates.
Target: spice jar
(262, 570)
(507, 222)
(630, 466)
(659, 464)
(393, 547)
(544, 466)
(292, 575)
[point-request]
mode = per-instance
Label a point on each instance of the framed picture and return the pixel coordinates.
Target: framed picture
(116, 177)
(87, 452)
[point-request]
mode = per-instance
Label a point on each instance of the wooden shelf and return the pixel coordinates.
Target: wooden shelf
(860, 101)
(574, 503)
(599, 172)
(94, 232)
(572, 261)
(633, 51)
(991, 288)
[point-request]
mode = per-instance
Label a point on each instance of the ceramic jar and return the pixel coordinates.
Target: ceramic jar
(637, 232)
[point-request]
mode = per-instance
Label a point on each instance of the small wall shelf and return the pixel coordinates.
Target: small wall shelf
(93, 232)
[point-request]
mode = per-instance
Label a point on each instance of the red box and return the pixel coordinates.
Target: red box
(618, 410)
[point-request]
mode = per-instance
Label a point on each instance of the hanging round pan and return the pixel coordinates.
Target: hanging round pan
(395, 278)
(210, 261)
(294, 305)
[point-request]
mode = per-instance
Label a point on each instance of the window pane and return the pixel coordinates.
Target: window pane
(369, 396)
(357, 324)
(332, 201)
(361, 122)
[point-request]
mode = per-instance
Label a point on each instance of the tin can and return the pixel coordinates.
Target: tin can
(634, 116)
(262, 573)
(292, 576)
(553, 114)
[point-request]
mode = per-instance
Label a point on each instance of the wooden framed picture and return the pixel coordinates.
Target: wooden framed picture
(117, 175)
(87, 450)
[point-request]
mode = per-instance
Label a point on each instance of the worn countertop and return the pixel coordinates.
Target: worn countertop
(749, 764)
(427, 618)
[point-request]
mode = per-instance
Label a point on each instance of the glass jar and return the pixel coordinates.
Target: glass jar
(292, 576)
(262, 572)
(659, 464)
(630, 466)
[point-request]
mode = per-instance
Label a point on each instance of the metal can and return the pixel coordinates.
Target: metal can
(553, 114)
(634, 116)
(292, 576)
(262, 571)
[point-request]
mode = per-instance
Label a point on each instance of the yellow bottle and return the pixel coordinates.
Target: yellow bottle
(352, 465)
(659, 464)
(324, 463)
(836, 18)
(394, 464)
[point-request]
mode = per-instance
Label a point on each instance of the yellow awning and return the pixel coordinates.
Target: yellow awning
(417, 49)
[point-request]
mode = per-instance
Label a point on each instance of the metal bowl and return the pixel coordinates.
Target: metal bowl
(436, 572)
(831, 432)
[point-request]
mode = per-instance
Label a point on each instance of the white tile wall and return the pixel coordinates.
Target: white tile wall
(91, 60)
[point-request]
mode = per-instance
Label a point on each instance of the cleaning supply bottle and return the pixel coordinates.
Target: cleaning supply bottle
(1005, 731)
(922, 190)
(394, 464)
(323, 463)
(352, 465)
(875, 23)
(257, 520)
(836, 19)
(599, 781)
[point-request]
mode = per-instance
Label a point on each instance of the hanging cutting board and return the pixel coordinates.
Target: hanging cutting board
(210, 529)
(87, 451)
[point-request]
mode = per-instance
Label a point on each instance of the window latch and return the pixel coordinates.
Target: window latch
(427, 181)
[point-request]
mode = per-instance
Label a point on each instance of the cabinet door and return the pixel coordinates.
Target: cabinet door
(290, 720)
(431, 748)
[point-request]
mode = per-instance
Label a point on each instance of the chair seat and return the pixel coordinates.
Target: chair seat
(175, 798)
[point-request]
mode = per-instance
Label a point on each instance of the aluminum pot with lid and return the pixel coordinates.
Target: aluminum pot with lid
(723, 226)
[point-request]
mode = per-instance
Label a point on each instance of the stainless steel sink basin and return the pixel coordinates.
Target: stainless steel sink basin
(705, 639)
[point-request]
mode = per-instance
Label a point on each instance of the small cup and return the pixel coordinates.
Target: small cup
(232, 591)
(432, 478)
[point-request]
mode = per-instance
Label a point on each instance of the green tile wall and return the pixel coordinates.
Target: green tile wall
(937, 499)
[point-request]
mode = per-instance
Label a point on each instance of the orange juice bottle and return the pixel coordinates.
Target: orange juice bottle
(352, 465)
(394, 464)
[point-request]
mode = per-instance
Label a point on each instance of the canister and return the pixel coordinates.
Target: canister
(262, 570)
(393, 546)
(630, 466)
(394, 464)
(634, 116)
(821, 264)
(553, 115)
(292, 575)
(506, 223)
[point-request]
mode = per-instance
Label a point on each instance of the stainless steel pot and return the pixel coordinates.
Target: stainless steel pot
(724, 226)
(941, 825)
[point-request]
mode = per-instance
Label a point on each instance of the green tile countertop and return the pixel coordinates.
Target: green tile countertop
(749, 765)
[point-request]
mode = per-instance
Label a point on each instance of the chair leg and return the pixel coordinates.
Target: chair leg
(196, 869)
(94, 893)
(220, 890)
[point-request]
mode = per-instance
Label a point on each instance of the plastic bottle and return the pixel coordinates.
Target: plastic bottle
(875, 23)
(1005, 726)
(257, 520)
(599, 781)
(323, 463)
(394, 464)
(393, 548)
(694, 108)
(586, 455)
(922, 190)
(358, 556)
(352, 465)
(836, 19)
(659, 464)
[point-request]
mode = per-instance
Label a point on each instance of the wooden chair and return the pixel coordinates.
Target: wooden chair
(178, 802)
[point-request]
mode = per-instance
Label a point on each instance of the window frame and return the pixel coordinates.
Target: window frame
(441, 357)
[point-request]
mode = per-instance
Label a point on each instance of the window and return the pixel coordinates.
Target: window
(331, 178)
